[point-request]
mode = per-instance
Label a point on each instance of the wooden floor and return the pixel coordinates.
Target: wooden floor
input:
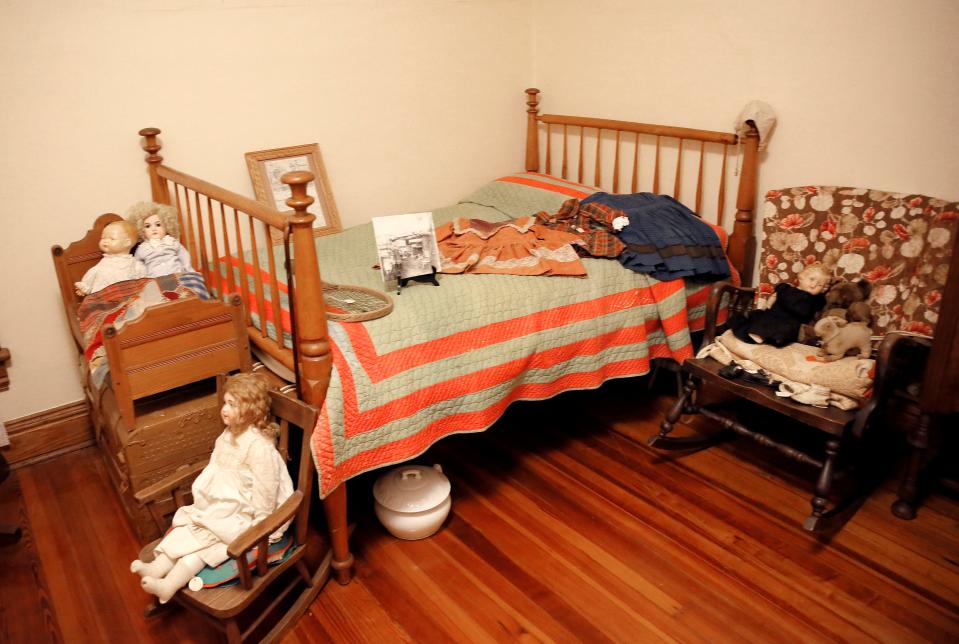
(565, 527)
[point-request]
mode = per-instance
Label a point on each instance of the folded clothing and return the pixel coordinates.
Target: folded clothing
(797, 364)
(664, 238)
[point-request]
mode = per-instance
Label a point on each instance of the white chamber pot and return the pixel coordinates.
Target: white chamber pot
(412, 501)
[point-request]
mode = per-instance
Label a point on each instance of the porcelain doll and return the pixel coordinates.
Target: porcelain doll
(160, 249)
(789, 308)
(117, 264)
(244, 482)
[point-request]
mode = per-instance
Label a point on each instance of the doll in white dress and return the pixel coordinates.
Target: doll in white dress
(244, 482)
(160, 249)
(117, 264)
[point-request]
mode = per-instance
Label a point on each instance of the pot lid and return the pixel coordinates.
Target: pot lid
(412, 488)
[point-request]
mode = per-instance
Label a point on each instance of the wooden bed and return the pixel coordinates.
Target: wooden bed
(228, 235)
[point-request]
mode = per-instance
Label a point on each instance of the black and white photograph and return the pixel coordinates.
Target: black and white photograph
(406, 245)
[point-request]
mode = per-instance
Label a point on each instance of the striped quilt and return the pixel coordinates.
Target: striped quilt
(450, 359)
(125, 302)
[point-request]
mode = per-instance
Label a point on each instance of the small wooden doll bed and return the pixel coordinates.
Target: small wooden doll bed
(390, 387)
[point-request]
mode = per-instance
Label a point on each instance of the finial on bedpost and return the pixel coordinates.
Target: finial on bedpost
(315, 363)
(152, 146)
(311, 330)
(742, 243)
(532, 130)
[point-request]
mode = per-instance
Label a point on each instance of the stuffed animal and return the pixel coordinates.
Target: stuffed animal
(791, 307)
(117, 264)
(839, 337)
(160, 249)
(845, 300)
(850, 297)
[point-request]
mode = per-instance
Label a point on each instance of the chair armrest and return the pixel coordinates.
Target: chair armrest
(742, 299)
(164, 486)
(896, 355)
(262, 530)
(897, 348)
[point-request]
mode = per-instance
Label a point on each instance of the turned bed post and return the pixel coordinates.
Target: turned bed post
(315, 361)
(152, 147)
(532, 130)
(742, 242)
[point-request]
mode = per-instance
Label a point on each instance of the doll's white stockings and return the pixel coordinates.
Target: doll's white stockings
(160, 566)
(166, 582)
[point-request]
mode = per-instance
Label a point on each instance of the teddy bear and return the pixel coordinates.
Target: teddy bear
(846, 300)
(840, 336)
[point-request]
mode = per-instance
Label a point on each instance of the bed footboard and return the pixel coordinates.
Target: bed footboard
(172, 345)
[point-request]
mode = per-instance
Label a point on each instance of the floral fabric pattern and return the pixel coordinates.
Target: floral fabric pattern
(900, 243)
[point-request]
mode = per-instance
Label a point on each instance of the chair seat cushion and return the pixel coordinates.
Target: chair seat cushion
(227, 573)
(849, 376)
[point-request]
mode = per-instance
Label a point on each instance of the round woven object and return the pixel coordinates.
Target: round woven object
(345, 303)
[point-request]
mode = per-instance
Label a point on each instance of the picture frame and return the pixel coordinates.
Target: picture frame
(267, 166)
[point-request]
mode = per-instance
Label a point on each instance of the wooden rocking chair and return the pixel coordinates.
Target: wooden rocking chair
(263, 588)
(899, 243)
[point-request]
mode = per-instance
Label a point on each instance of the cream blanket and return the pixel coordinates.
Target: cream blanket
(843, 383)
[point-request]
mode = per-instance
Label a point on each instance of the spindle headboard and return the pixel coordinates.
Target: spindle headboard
(624, 156)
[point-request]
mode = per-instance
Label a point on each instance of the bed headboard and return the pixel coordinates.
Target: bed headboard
(691, 165)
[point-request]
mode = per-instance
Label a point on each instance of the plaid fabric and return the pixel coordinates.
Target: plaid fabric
(664, 238)
(593, 223)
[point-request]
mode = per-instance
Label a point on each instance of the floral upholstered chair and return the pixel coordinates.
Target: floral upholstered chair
(901, 244)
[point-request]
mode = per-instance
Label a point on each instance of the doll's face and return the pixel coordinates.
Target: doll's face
(115, 241)
(153, 228)
(230, 412)
(814, 282)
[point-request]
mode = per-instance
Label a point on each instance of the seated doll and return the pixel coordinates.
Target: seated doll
(117, 264)
(245, 481)
(160, 249)
(789, 308)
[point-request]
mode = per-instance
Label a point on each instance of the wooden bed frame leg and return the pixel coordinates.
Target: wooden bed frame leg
(334, 506)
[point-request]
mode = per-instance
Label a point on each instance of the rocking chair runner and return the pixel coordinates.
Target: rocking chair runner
(224, 605)
(902, 244)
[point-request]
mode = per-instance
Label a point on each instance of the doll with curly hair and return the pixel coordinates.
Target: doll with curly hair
(160, 249)
(244, 482)
(117, 263)
(788, 309)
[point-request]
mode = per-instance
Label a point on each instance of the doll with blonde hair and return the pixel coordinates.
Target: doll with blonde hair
(117, 264)
(160, 249)
(787, 310)
(245, 481)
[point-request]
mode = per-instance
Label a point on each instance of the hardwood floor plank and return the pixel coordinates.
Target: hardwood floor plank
(565, 527)
(26, 611)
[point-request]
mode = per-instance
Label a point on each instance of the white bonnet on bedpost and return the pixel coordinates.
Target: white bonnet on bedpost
(158, 187)
(532, 130)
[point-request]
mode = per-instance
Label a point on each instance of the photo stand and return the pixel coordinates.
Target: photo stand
(429, 278)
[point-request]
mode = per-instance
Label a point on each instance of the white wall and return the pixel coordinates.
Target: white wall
(415, 102)
(866, 91)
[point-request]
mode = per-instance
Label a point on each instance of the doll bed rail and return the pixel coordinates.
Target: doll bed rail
(220, 226)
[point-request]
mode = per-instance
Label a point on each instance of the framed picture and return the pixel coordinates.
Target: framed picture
(267, 166)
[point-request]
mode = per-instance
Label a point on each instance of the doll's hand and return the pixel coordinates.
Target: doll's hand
(81, 289)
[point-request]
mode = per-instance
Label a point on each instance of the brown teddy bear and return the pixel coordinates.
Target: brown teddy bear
(845, 300)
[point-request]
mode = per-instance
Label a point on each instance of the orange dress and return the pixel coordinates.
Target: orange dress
(517, 247)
